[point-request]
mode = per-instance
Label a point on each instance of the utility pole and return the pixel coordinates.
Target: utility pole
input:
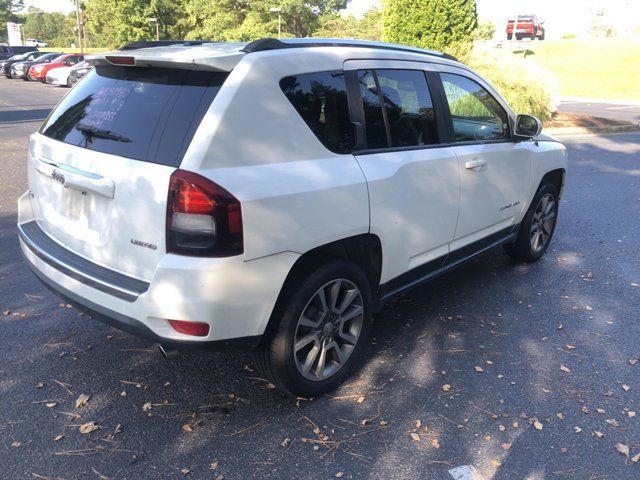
(78, 26)
(155, 20)
(277, 10)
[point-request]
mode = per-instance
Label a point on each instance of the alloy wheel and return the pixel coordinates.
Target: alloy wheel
(328, 329)
(542, 223)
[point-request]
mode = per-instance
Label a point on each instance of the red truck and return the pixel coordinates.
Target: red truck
(528, 26)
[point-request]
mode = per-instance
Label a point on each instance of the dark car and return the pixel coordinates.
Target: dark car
(20, 69)
(77, 72)
(5, 65)
(8, 51)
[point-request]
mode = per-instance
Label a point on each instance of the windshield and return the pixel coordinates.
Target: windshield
(148, 114)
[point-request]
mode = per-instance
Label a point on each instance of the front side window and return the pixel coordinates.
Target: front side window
(476, 115)
(320, 98)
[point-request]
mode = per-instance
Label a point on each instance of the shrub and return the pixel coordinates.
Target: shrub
(526, 86)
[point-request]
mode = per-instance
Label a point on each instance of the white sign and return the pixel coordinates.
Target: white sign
(14, 33)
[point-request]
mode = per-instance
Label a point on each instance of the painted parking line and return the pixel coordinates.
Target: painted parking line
(465, 472)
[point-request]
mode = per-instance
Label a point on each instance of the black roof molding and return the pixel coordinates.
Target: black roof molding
(265, 44)
(159, 43)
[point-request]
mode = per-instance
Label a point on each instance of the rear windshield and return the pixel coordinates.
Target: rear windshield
(148, 114)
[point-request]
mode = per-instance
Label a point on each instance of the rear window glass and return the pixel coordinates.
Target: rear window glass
(148, 114)
(321, 100)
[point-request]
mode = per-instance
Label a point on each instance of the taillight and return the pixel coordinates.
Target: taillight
(202, 217)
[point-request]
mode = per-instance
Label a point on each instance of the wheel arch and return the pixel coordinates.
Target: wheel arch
(556, 178)
(364, 250)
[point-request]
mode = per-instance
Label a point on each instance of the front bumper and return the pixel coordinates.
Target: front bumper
(234, 297)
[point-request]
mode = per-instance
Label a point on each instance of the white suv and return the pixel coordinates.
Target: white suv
(273, 195)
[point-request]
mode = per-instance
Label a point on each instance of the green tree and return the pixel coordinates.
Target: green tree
(486, 30)
(54, 28)
(9, 13)
(335, 25)
(444, 25)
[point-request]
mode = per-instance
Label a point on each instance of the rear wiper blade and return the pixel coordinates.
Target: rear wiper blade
(95, 132)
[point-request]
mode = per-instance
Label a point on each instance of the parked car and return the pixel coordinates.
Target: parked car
(77, 72)
(8, 51)
(218, 195)
(39, 72)
(58, 76)
(528, 27)
(5, 65)
(34, 42)
(21, 69)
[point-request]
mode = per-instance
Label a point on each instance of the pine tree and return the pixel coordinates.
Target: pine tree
(444, 25)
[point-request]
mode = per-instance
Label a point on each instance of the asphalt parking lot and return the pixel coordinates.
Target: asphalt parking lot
(500, 370)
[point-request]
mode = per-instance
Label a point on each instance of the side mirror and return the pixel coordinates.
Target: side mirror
(527, 126)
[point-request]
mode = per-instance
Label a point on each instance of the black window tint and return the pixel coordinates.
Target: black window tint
(373, 117)
(148, 114)
(321, 100)
(409, 107)
(475, 113)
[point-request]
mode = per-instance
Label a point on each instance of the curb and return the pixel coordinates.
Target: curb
(592, 130)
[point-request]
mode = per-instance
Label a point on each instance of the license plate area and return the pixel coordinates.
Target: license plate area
(74, 204)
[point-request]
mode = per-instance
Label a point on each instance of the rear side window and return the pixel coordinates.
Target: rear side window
(408, 109)
(476, 115)
(321, 100)
(148, 114)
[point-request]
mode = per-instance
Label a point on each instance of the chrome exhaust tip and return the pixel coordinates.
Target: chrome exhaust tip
(169, 353)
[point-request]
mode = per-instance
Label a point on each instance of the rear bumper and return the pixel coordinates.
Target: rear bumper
(234, 297)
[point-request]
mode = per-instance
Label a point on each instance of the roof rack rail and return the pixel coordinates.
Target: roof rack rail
(265, 44)
(159, 43)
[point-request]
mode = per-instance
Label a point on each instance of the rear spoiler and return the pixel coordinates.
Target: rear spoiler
(152, 54)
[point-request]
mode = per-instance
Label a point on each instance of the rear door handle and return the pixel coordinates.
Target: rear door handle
(475, 164)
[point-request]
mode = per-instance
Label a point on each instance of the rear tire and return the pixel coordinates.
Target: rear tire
(321, 334)
(537, 226)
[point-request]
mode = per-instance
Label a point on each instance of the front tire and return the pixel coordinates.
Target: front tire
(537, 226)
(321, 334)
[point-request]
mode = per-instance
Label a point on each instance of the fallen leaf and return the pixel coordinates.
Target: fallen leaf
(39, 385)
(415, 436)
(612, 421)
(82, 400)
(339, 474)
(501, 428)
(286, 442)
(515, 424)
(564, 449)
(123, 393)
(538, 425)
(560, 415)
(626, 388)
(118, 429)
(16, 444)
(598, 434)
(146, 407)
(213, 466)
(633, 360)
(360, 399)
(186, 428)
(478, 369)
(506, 446)
(565, 369)
(185, 471)
(636, 459)
(384, 423)
(600, 410)
(622, 448)
(571, 347)
(435, 443)
(6, 312)
(631, 413)
(58, 437)
(546, 390)
(577, 429)
(446, 387)
(584, 409)
(495, 463)
(51, 404)
(88, 427)
(418, 423)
